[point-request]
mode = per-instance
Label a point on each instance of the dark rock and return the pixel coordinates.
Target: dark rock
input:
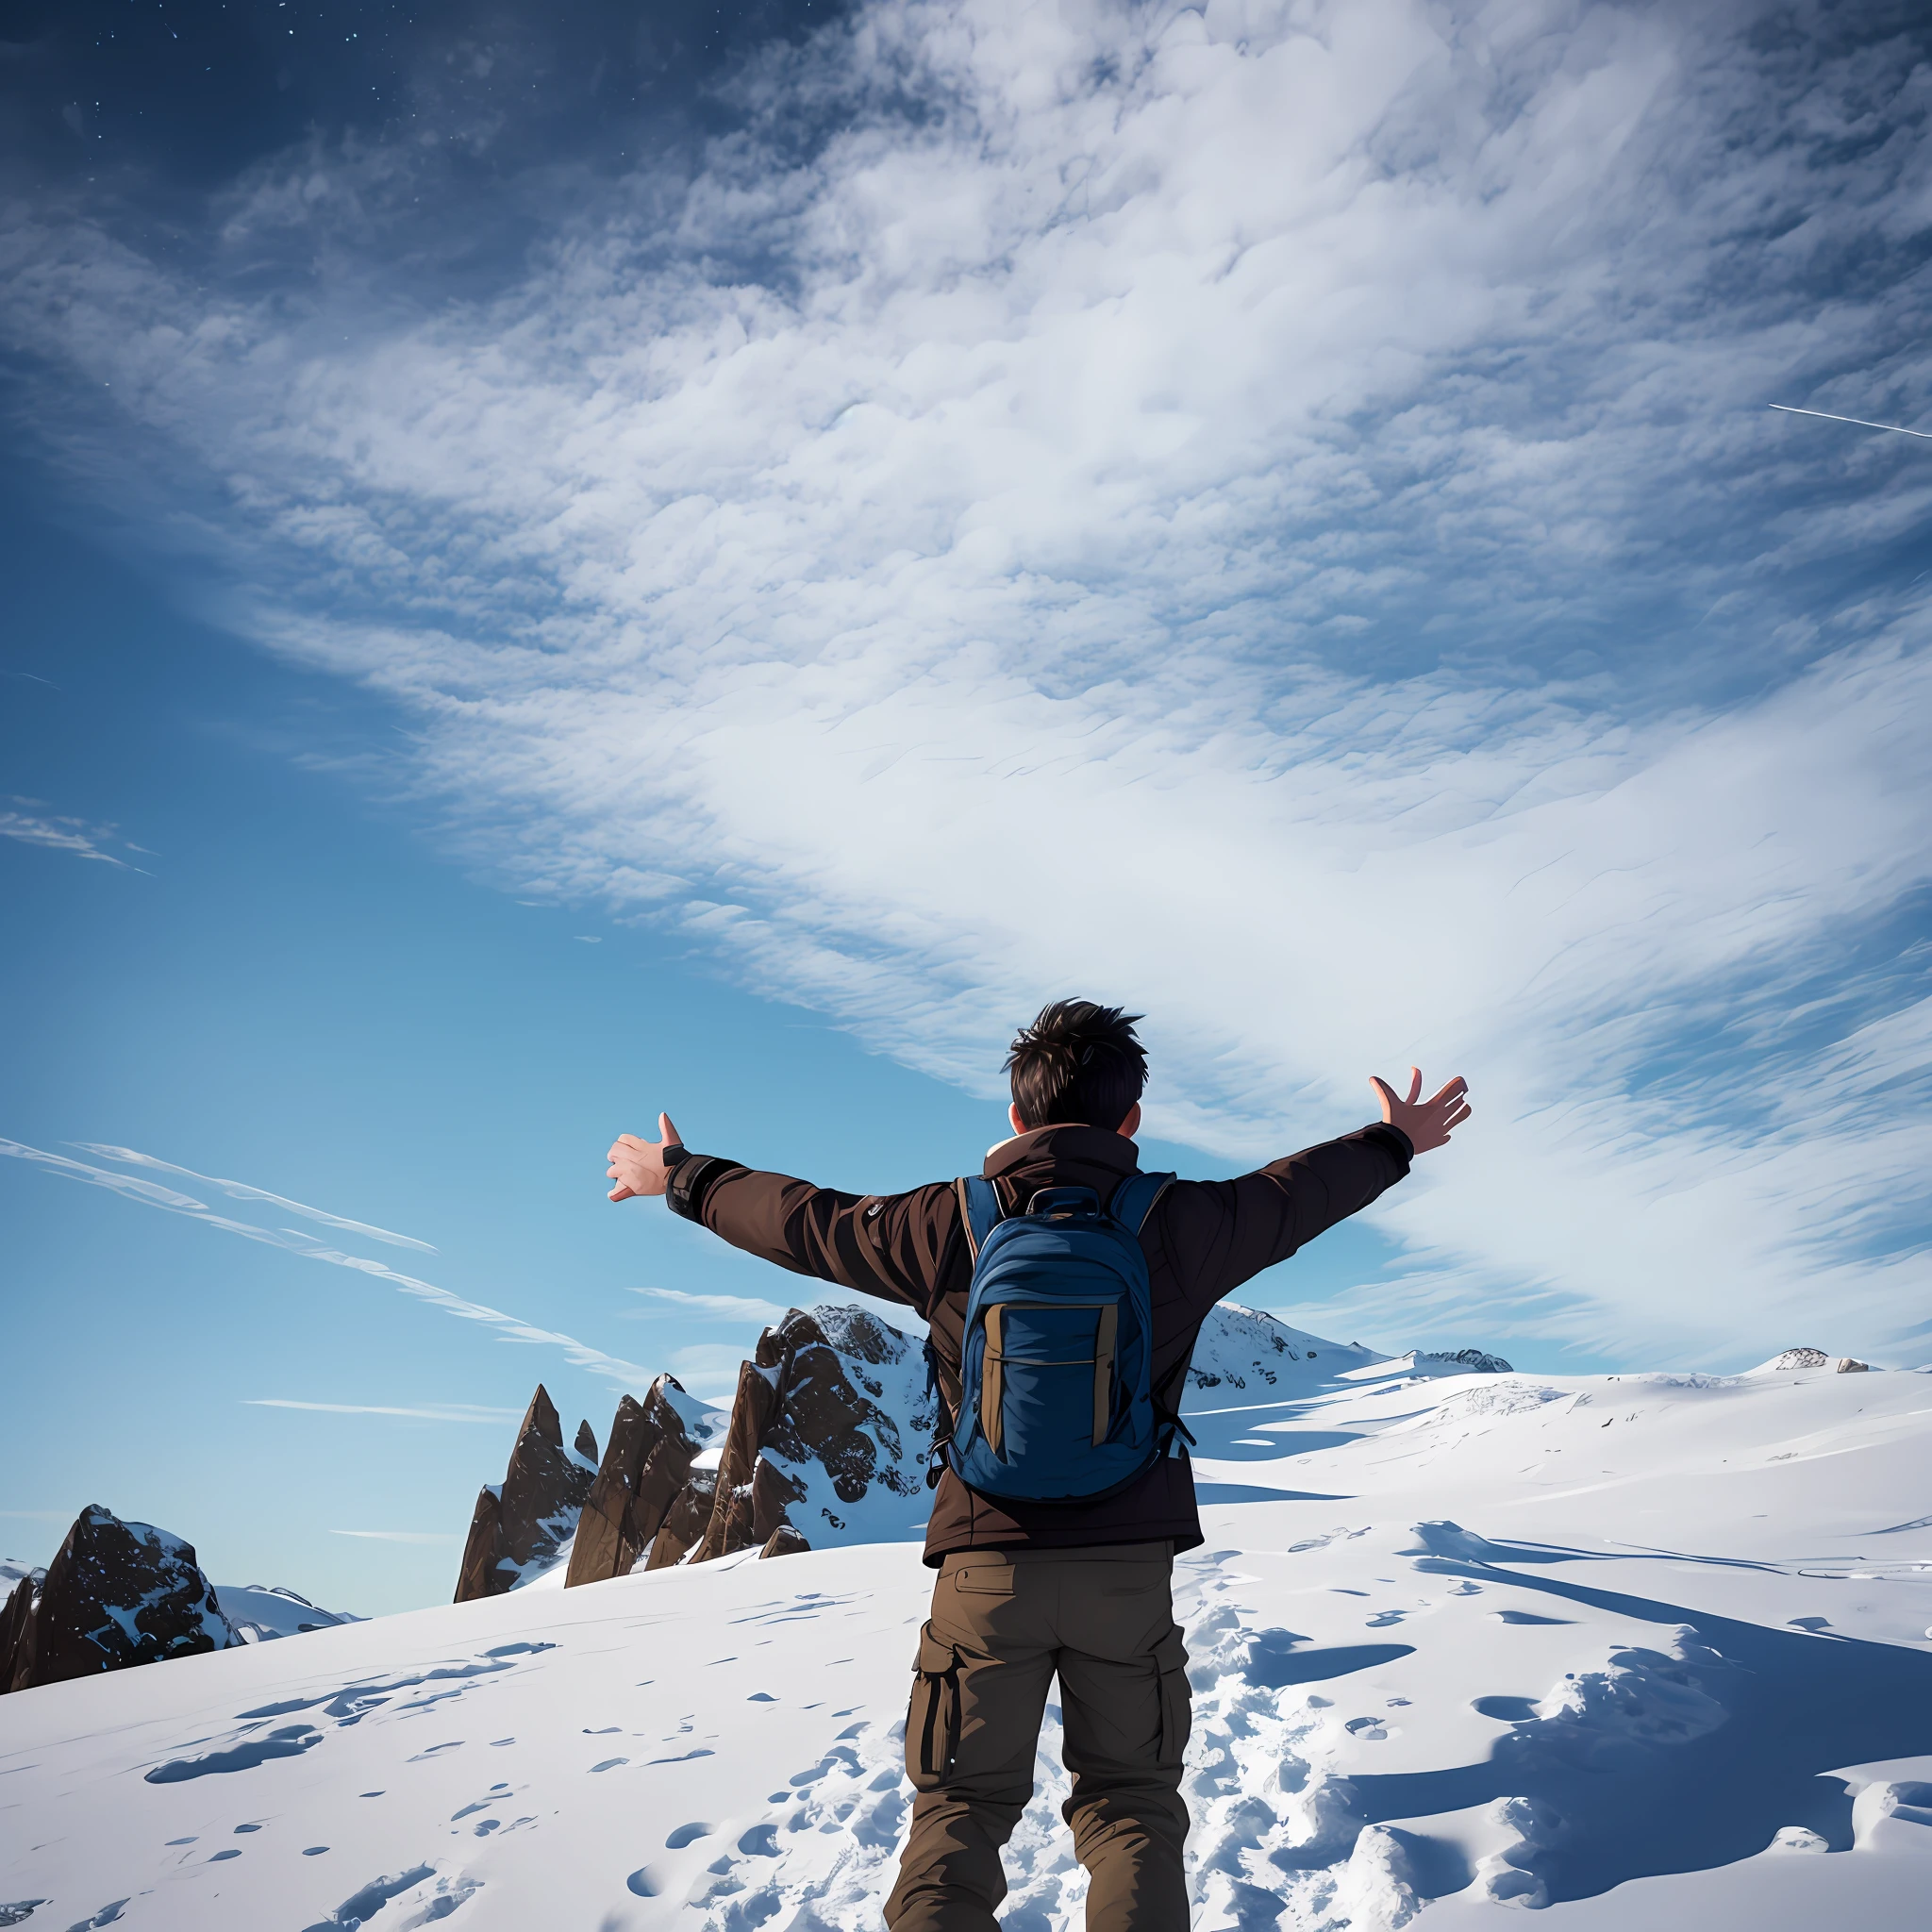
(1801, 1358)
(477, 1576)
(523, 1524)
(647, 1462)
(684, 1522)
(16, 1627)
(752, 1410)
(784, 1541)
(115, 1595)
(773, 1493)
(587, 1441)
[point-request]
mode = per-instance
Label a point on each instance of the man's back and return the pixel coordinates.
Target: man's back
(1203, 1241)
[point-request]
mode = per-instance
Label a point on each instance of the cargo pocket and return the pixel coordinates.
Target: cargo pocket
(932, 1719)
(1176, 1698)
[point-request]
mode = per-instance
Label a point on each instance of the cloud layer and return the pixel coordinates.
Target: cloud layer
(1268, 513)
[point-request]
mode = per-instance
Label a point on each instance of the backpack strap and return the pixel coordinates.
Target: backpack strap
(1133, 1200)
(980, 1211)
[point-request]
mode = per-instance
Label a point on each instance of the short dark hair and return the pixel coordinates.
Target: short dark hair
(1077, 1062)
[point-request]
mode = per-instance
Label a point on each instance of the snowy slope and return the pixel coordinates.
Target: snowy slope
(1647, 1650)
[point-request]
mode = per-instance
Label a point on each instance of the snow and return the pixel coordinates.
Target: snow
(264, 1611)
(1634, 1651)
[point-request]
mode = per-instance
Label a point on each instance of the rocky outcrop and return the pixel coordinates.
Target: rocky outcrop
(115, 1595)
(1817, 1358)
(784, 1541)
(647, 1461)
(523, 1521)
(830, 1415)
(684, 1522)
(1481, 1361)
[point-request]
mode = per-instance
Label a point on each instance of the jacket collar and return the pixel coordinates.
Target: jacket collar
(1070, 1144)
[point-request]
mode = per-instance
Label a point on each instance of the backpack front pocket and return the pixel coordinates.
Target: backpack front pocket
(1047, 1378)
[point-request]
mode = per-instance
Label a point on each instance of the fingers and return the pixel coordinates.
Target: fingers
(620, 1192)
(1385, 1093)
(669, 1133)
(1415, 1085)
(1453, 1091)
(1456, 1120)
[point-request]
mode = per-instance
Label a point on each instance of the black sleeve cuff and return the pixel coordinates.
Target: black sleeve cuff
(1394, 1139)
(692, 1179)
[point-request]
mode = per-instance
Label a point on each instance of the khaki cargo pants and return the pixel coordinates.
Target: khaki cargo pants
(1004, 1621)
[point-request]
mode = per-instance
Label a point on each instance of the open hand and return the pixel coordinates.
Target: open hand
(1428, 1123)
(637, 1166)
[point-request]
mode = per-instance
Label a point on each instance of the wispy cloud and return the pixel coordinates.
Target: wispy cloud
(1270, 516)
(708, 1369)
(428, 1412)
(38, 1515)
(620, 1374)
(241, 1191)
(63, 834)
(722, 1307)
(399, 1536)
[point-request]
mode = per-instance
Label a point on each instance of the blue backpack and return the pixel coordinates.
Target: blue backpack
(1056, 1397)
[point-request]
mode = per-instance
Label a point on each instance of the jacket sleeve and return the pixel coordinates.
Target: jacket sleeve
(1219, 1234)
(891, 1246)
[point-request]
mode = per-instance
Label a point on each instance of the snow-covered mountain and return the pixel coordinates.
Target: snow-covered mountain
(262, 1612)
(119, 1596)
(824, 1445)
(1641, 1650)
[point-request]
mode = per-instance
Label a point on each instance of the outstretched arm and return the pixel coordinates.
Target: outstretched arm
(1220, 1234)
(893, 1245)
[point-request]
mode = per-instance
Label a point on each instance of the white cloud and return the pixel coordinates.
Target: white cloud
(429, 1413)
(722, 1307)
(1200, 511)
(708, 1369)
(63, 834)
(399, 1536)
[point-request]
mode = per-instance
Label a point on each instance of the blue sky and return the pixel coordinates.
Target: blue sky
(557, 570)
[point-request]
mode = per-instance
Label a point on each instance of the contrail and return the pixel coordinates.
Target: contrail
(621, 1373)
(1896, 428)
(241, 1191)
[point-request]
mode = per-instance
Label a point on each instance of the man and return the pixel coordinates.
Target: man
(1081, 1588)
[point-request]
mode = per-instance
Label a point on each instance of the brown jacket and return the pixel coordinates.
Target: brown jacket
(1203, 1239)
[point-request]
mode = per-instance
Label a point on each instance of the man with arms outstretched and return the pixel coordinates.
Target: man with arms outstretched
(1079, 1589)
